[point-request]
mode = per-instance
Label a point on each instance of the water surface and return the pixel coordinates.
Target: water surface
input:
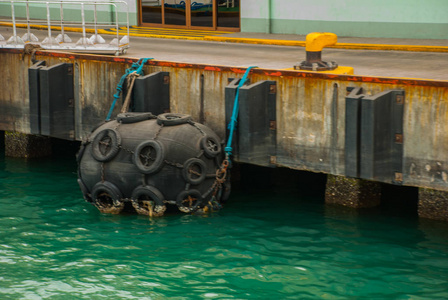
(265, 244)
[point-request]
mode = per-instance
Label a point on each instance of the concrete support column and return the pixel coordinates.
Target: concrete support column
(352, 192)
(27, 146)
(433, 204)
(2, 140)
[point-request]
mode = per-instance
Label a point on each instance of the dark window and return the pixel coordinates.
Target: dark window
(152, 11)
(229, 13)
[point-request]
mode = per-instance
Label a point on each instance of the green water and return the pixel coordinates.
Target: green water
(265, 244)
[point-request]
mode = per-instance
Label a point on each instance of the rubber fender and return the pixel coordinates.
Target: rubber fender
(225, 190)
(134, 117)
(210, 146)
(189, 201)
(149, 156)
(98, 126)
(80, 153)
(171, 119)
(84, 190)
(106, 145)
(194, 171)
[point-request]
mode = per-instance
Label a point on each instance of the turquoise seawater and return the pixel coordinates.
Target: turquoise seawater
(267, 243)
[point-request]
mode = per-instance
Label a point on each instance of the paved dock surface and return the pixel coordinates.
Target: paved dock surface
(423, 65)
(403, 64)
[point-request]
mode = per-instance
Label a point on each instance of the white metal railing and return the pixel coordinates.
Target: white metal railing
(54, 21)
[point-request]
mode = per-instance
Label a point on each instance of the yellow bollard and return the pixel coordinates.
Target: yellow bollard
(315, 42)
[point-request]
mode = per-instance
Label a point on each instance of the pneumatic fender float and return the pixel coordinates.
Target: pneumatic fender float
(141, 162)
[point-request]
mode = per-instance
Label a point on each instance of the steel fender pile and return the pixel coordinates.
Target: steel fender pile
(141, 162)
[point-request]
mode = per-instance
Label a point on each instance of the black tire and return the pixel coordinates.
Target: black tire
(106, 145)
(146, 163)
(194, 171)
(134, 117)
(170, 119)
(211, 146)
(186, 205)
(107, 197)
(151, 194)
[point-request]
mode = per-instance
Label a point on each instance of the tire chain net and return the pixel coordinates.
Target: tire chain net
(158, 210)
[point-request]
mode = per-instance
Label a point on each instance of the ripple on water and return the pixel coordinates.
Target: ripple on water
(53, 245)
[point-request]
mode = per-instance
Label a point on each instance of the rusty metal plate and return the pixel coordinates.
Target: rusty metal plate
(399, 138)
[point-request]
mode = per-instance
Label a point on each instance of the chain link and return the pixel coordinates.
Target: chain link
(158, 132)
(127, 150)
(102, 172)
(197, 127)
(174, 164)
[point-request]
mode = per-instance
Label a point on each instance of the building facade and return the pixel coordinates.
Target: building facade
(355, 18)
(416, 19)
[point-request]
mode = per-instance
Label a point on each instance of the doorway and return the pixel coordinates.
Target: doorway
(191, 14)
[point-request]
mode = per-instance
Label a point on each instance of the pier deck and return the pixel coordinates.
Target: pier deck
(387, 123)
(273, 52)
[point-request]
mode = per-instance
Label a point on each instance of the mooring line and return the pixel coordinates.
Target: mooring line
(138, 69)
(228, 149)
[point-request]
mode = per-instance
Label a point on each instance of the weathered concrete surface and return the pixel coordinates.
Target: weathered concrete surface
(352, 192)
(433, 204)
(26, 146)
(310, 108)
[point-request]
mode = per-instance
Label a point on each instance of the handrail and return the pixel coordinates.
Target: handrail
(95, 43)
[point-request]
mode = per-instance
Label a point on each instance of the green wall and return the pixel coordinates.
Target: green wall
(359, 18)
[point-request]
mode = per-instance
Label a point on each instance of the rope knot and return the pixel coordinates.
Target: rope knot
(136, 69)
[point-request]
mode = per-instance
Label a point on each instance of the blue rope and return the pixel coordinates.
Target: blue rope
(228, 149)
(138, 68)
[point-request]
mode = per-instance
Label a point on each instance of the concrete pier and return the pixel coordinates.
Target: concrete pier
(360, 130)
(27, 146)
(433, 204)
(2, 139)
(352, 192)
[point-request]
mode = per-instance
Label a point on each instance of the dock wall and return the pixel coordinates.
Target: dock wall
(310, 120)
